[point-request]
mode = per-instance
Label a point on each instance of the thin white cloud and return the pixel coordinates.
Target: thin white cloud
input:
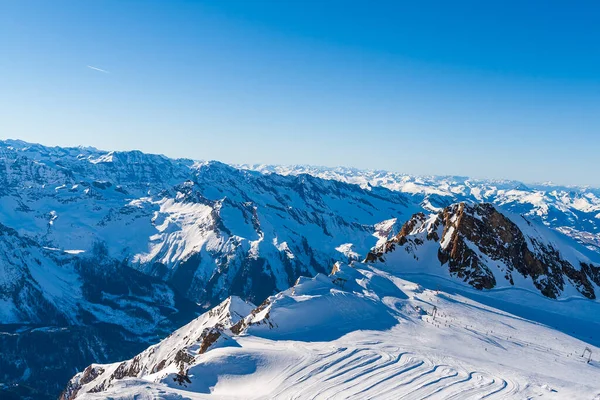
(98, 69)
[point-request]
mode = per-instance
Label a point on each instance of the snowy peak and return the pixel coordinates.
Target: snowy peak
(171, 357)
(207, 228)
(487, 249)
(323, 307)
(230, 311)
(522, 187)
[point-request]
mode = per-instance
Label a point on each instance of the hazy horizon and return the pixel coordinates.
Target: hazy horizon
(507, 91)
(441, 175)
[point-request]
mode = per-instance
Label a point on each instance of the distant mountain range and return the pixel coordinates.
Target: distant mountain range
(114, 250)
(573, 210)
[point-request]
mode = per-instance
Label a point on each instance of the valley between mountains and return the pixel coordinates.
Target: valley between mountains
(131, 275)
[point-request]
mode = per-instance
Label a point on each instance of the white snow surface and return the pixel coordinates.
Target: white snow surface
(370, 332)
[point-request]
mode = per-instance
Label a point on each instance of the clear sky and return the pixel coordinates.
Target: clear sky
(500, 89)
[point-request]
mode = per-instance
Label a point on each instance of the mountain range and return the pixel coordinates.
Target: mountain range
(573, 210)
(408, 323)
(105, 253)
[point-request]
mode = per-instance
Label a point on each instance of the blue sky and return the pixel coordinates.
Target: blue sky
(487, 89)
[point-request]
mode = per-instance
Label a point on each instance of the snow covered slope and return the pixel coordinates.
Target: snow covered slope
(367, 332)
(574, 211)
(59, 311)
(172, 354)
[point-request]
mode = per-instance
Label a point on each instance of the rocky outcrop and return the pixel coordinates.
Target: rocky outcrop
(88, 375)
(252, 319)
(178, 351)
(480, 245)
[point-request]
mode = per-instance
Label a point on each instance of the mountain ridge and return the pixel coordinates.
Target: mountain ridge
(109, 229)
(483, 247)
(573, 210)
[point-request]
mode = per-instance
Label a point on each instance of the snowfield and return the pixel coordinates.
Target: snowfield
(370, 332)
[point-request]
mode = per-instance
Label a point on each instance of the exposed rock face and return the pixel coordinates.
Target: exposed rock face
(480, 245)
(251, 319)
(88, 375)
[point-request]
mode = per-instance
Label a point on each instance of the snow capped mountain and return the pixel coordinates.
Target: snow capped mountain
(169, 356)
(208, 229)
(574, 211)
(366, 331)
(264, 231)
(488, 249)
(123, 243)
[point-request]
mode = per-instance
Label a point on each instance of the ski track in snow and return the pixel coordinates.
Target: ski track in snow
(389, 374)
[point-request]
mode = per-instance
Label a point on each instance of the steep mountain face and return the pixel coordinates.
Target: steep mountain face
(364, 332)
(208, 229)
(259, 233)
(487, 249)
(575, 211)
(47, 286)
